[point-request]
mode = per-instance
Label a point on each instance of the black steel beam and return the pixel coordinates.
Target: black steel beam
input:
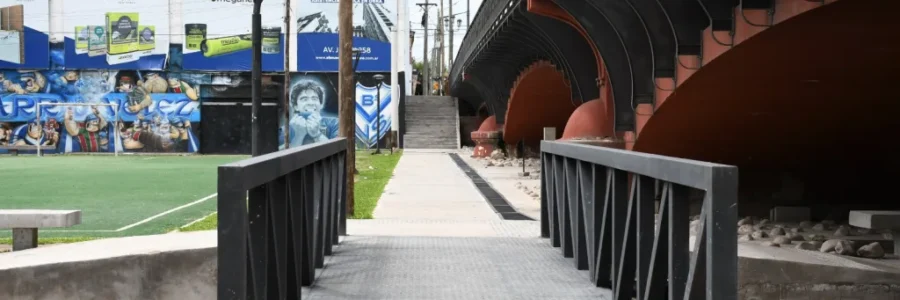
(576, 54)
(627, 23)
(688, 20)
(662, 37)
(614, 54)
(720, 13)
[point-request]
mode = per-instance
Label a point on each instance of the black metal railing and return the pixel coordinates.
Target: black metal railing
(280, 214)
(589, 211)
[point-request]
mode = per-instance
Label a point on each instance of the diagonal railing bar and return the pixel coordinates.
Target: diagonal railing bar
(280, 214)
(603, 271)
(573, 191)
(625, 266)
(645, 229)
(602, 205)
(656, 284)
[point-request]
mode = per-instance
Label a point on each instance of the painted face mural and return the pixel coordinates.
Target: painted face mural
(308, 98)
(313, 118)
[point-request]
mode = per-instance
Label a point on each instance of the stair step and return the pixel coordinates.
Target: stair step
(431, 122)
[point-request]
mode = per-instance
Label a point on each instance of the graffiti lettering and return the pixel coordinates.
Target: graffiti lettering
(368, 100)
(22, 108)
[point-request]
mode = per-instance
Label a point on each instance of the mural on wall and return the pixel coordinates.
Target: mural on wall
(368, 109)
(217, 35)
(314, 110)
(317, 34)
(24, 42)
(157, 112)
(115, 34)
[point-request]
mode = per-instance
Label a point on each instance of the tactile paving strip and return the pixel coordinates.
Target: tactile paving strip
(497, 202)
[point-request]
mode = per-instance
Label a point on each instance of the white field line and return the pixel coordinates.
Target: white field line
(167, 212)
(193, 222)
(76, 230)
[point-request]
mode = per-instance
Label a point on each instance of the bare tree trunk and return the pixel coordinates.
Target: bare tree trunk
(345, 94)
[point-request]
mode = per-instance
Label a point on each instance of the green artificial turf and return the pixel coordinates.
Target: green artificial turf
(374, 173)
(118, 192)
(112, 192)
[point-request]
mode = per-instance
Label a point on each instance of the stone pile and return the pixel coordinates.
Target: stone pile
(498, 159)
(825, 236)
(534, 192)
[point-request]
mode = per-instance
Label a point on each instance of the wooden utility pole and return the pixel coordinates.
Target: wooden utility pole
(426, 78)
(346, 104)
(451, 18)
(287, 74)
(441, 50)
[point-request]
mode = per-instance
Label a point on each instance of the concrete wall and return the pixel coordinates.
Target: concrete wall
(172, 266)
(182, 266)
(789, 274)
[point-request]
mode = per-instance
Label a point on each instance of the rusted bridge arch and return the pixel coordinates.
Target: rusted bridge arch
(762, 84)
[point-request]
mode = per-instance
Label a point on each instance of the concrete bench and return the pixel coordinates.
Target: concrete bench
(25, 223)
(879, 219)
(14, 150)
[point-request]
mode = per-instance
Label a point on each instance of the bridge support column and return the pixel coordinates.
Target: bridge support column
(590, 125)
(485, 142)
(486, 137)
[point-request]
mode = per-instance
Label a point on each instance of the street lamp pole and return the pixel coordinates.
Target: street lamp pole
(256, 76)
(379, 78)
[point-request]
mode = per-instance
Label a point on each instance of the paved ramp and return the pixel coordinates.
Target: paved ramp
(435, 237)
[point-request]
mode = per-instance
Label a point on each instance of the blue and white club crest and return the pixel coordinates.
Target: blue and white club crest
(367, 112)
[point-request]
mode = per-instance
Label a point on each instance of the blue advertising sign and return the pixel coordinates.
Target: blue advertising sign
(24, 42)
(122, 35)
(317, 35)
(217, 35)
(318, 52)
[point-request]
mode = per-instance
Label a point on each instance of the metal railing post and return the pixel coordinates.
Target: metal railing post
(597, 205)
(278, 212)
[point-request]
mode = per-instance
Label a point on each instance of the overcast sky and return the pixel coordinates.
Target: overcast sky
(415, 18)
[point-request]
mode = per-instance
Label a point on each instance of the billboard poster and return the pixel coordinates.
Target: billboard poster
(217, 35)
(24, 42)
(158, 112)
(317, 34)
(116, 34)
(314, 109)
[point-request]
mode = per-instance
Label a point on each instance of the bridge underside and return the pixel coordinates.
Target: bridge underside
(798, 94)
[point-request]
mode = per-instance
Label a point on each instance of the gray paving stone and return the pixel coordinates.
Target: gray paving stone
(435, 237)
(450, 268)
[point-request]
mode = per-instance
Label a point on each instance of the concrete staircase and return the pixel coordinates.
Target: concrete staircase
(432, 122)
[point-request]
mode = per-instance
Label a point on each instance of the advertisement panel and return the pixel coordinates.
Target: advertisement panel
(158, 112)
(116, 34)
(317, 34)
(24, 39)
(314, 109)
(217, 35)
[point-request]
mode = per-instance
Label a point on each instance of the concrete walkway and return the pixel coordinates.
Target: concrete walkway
(435, 237)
